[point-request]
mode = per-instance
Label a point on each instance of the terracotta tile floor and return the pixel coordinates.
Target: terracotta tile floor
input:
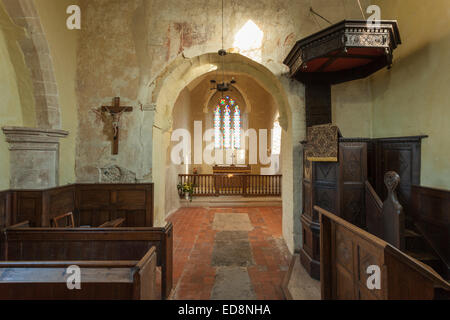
(194, 275)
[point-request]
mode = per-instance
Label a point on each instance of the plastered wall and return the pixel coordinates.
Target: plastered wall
(413, 97)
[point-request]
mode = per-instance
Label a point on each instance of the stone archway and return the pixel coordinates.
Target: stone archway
(162, 95)
(38, 145)
(38, 59)
(180, 73)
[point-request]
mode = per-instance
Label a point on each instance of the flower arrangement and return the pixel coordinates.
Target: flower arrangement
(186, 189)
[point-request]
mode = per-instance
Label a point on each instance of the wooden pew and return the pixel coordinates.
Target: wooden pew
(347, 251)
(100, 280)
(431, 216)
(63, 244)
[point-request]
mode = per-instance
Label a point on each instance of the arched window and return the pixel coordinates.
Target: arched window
(227, 124)
(237, 128)
(276, 138)
(217, 135)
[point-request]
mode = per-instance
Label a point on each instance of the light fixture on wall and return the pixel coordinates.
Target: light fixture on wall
(222, 86)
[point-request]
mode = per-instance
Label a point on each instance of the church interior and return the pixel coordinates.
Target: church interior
(224, 150)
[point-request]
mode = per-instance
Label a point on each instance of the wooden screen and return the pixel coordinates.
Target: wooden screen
(103, 202)
(91, 204)
(402, 155)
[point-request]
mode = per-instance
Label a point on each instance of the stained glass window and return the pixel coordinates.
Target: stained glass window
(226, 128)
(237, 128)
(217, 133)
(227, 124)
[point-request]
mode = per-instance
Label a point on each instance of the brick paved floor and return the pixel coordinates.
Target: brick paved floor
(195, 231)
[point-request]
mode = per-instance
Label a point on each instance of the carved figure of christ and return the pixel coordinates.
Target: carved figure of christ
(116, 112)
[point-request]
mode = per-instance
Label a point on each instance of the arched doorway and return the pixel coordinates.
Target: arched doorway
(163, 93)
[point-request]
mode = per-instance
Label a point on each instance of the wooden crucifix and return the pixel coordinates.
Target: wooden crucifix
(116, 112)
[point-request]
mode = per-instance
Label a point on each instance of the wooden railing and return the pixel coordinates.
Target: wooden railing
(374, 211)
(386, 220)
(229, 185)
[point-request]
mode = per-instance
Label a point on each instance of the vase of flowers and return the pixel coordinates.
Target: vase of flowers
(186, 189)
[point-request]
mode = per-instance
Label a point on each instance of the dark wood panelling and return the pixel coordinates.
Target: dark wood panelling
(352, 178)
(402, 155)
(5, 208)
(337, 187)
(91, 204)
(318, 104)
(27, 205)
(431, 215)
(5, 215)
(102, 202)
(340, 187)
(57, 201)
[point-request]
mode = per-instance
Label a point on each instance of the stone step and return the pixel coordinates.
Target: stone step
(232, 201)
(429, 259)
(423, 256)
(415, 242)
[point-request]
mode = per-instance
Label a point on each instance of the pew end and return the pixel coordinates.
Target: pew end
(63, 244)
(352, 260)
(99, 280)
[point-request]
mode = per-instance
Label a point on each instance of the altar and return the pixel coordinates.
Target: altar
(231, 178)
(232, 169)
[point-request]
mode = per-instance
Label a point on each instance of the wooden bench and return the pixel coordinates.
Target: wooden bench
(99, 280)
(69, 244)
(347, 251)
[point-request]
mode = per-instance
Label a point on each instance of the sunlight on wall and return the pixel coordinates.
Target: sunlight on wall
(249, 41)
(276, 138)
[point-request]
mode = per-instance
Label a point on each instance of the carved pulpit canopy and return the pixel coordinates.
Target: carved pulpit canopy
(348, 50)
